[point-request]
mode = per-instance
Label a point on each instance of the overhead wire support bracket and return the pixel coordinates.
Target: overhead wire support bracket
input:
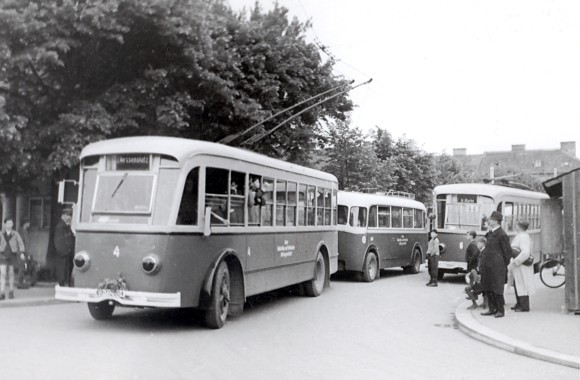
(258, 137)
(230, 138)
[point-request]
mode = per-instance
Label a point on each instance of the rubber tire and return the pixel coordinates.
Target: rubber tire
(101, 311)
(217, 313)
(314, 287)
(415, 267)
(547, 272)
(371, 264)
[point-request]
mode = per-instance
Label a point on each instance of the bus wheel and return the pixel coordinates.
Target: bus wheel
(415, 266)
(315, 286)
(370, 267)
(101, 310)
(216, 315)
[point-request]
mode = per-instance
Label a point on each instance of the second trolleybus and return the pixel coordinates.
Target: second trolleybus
(378, 231)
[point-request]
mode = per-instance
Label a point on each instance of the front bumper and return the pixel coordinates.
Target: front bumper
(453, 265)
(126, 298)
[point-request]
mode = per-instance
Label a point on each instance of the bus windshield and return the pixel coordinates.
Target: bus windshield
(124, 193)
(463, 211)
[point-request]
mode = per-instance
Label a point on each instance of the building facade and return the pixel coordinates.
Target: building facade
(537, 163)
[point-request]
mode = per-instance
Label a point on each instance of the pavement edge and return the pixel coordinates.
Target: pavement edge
(476, 330)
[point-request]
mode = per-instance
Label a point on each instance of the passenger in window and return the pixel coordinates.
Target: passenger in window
(255, 200)
(234, 188)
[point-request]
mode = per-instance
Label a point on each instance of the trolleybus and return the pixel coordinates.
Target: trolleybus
(376, 231)
(460, 208)
(170, 222)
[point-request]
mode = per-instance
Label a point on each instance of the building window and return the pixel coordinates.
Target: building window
(538, 163)
(39, 212)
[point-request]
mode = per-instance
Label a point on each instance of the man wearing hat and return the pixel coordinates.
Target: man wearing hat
(64, 245)
(493, 266)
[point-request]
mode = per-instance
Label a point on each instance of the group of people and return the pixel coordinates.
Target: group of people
(16, 255)
(492, 261)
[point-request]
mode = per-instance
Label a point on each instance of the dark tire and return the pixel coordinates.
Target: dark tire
(553, 273)
(440, 275)
(415, 266)
(101, 311)
(314, 287)
(216, 315)
(370, 267)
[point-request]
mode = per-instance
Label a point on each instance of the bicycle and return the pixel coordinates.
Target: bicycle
(553, 272)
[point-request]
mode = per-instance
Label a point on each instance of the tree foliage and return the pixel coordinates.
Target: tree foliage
(73, 72)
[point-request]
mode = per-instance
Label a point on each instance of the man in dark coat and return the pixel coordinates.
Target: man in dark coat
(64, 244)
(493, 265)
(472, 253)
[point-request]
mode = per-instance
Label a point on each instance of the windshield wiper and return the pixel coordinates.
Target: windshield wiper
(119, 184)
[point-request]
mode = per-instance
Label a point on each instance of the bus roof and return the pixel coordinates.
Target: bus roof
(365, 199)
(492, 191)
(183, 149)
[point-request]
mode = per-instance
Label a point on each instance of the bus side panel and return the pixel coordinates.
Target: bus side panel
(294, 255)
(395, 247)
(352, 249)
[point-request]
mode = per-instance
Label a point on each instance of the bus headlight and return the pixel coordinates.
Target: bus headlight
(151, 264)
(81, 261)
(442, 248)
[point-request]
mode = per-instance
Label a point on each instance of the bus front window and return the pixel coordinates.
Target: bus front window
(124, 193)
(465, 211)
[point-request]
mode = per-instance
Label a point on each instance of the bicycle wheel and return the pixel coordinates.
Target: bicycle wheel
(553, 273)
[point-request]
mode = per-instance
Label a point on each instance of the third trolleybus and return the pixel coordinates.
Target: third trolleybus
(460, 208)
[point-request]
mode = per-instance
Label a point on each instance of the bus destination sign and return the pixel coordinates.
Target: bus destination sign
(133, 162)
(466, 198)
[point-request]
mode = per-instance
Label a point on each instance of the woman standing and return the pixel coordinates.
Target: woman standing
(433, 258)
(521, 274)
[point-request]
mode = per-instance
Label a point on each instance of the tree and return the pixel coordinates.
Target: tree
(353, 160)
(73, 72)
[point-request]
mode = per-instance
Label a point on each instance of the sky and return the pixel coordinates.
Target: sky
(474, 74)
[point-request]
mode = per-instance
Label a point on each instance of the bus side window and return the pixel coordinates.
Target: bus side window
(373, 216)
(255, 199)
(216, 194)
(237, 198)
(187, 214)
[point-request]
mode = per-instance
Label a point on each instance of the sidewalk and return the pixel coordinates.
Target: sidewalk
(41, 294)
(548, 332)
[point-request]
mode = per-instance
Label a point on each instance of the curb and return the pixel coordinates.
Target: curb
(30, 302)
(474, 329)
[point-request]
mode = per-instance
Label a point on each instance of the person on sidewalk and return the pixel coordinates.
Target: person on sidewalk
(11, 246)
(433, 258)
(494, 264)
(27, 266)
(64, 244)
(473, 290)
(522, 275)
